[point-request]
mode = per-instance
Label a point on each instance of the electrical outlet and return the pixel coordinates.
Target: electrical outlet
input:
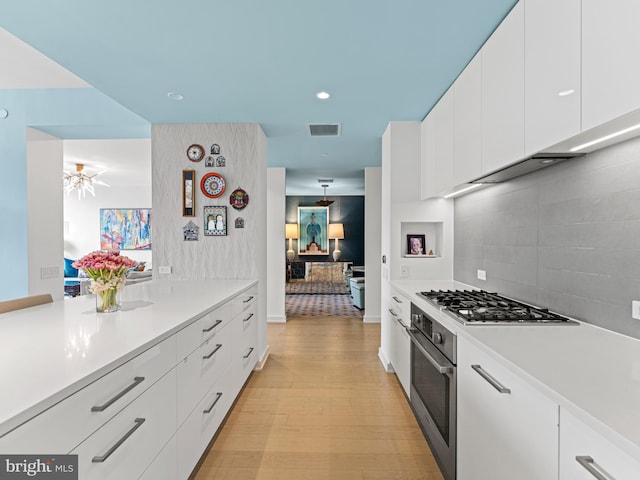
(164, 269)
(404, 272)
(635, 309)
(482, 275)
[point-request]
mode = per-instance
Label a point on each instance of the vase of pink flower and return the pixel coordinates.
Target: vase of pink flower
(107, 270)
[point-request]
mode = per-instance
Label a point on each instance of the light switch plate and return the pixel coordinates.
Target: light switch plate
(404, 272)
(164, 270)
(482, 275)
(635, 309)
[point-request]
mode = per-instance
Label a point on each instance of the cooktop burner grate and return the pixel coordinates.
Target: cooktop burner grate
(482, 307)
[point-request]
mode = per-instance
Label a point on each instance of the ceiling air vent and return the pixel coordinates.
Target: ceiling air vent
(324, 129)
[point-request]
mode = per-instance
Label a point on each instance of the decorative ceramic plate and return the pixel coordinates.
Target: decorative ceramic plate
(239, 199)
(195, 152)
(212, 185)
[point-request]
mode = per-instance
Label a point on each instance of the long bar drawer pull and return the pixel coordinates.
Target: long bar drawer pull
(208, 410)
(494, 383)
(397, 300)
(248, 300)
(100, 408)
(248, 318)
(593, 468)
(401, 322)
(218, 322)
(218, 347)
(102, 458)
(249, 354)
(393, 313)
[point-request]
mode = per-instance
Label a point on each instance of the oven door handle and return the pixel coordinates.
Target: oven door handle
(444, 369)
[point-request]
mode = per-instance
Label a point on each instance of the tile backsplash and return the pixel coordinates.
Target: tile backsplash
(566, 237)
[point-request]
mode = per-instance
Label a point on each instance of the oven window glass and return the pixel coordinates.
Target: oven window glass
(433, 389)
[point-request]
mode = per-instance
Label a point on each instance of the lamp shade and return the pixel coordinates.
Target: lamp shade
(291, 230)
(336, 230)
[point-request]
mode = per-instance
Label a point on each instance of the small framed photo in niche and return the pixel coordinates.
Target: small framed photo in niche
(416, 244)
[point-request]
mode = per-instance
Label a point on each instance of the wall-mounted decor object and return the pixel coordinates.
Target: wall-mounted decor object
(215, 149)
(239, 199)
(239, 222)
(221, 161)
(212, 185)
(190, 232)
(195, 152)
(188, 193)
(125, 228)
(210, 161)
(215, 220)
(416, 244)
(313, 225)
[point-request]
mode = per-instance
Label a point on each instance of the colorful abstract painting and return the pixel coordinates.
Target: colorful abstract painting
(125, 228)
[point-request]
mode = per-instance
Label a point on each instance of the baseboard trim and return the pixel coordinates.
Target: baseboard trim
(371, 319)
(276, 319)
(265, 356)
(385, 363)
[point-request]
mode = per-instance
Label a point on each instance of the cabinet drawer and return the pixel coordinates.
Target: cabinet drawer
(66, 424)
(199, 371)
(192, 336)
(165, 465)
(126, 445)
(584, 451)
(244, 301)
(201, 425)
(400, 305)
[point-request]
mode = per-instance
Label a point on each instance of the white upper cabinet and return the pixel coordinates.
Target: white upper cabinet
(503, 93)
(467, 150)
(552, 71)
(610, 53)
(428, 154)
(443, 174)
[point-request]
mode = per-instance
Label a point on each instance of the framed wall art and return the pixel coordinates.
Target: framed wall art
(215, 221)
(188, 193)
(416, 244)
(313, 225)
(125, 228)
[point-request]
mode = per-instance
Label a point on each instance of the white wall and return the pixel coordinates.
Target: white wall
(276, 257)
(44, 212)
(372, 243)
(242, 253)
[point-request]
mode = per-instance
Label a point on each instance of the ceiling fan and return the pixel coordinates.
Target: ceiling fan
(324, 202)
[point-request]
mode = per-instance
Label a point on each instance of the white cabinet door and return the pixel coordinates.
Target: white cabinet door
(502, 435)
(428, 154)
(552, 72)
(467, 150)
(610, 67)
(401, 342)
(584, 454)
(443, 173)
(165, 465)
(503, 93)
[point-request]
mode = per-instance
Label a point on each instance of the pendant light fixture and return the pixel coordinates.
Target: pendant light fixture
(80, 181)
(324, 202)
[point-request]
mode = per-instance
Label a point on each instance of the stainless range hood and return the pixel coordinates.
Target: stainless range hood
(528, 165)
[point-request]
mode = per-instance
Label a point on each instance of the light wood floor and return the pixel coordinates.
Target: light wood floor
(322, 408)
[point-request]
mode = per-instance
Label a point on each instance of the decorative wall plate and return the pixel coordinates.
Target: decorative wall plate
(212, 185)
(215, 149)
(195, 152)
(210, 161)
(239, 222)
(239, 199)
(220, 161)
(190, 232)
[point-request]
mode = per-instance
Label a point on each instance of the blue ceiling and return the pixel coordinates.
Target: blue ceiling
(263, 61)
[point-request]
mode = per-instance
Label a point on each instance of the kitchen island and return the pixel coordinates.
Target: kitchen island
(590, 377)
(179, 343)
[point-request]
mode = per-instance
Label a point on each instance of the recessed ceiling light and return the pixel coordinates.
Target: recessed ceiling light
(324, 154)
(174, 96)
(322, 95)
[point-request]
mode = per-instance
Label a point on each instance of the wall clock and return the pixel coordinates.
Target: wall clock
(212, 185)
(195, 152)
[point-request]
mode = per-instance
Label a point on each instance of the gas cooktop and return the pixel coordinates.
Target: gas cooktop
(479, 307)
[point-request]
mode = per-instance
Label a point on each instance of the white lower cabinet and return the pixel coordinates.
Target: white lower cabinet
(586, 455)
(165, 465)
(506, 429)
(400, 311)
(127, 444)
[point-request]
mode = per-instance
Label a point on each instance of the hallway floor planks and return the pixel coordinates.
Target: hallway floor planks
(322, 408)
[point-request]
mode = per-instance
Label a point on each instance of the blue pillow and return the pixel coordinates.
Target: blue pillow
(69, 271)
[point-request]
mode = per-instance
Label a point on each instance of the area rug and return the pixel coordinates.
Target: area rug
(302, 286)
(321, 306)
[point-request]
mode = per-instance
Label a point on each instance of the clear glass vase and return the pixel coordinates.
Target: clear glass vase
(108, 301)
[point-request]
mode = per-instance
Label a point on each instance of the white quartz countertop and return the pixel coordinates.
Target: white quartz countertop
(593, 372)
(50, 351)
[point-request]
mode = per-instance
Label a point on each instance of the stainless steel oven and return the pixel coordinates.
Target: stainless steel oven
(433, 386)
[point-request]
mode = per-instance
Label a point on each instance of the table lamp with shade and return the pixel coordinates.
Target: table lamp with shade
(336, 232)
(291, 232)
